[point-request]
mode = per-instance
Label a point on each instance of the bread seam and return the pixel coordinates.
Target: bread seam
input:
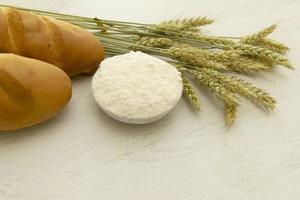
(16, 44)
(14, 89)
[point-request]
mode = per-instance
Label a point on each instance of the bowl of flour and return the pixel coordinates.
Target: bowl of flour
(136, 88)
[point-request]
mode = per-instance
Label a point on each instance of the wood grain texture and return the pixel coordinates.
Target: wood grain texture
(83, 154)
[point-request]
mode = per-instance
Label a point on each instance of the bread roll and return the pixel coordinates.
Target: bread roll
(31, 91)
(67, 46)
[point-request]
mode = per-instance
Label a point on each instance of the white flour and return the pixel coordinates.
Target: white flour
(136, 88)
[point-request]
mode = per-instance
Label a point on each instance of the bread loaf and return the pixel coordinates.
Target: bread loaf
(31, 91)
(67, 46)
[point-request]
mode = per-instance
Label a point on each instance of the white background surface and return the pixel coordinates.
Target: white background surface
(83, 154)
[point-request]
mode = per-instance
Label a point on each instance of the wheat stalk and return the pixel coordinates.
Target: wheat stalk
(243, 88)
(262, 53)
(259, 39)
(261, 34)
(183, 24)
(219, 90)
(270, 44)
(190, 56)
(230, 113)
(190, 93)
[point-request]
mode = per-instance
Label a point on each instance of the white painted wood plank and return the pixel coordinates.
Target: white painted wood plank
(83, 154)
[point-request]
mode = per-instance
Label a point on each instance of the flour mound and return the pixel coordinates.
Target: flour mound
(136, 88)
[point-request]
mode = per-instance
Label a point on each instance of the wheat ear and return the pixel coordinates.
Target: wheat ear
(190, 93)
(243, 88)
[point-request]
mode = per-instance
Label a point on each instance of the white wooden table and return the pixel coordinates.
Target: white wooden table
(84, 155)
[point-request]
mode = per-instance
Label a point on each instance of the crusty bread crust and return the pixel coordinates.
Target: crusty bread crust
(62, 44)
(31, 91)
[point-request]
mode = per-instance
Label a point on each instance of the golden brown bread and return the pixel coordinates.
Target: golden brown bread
(67, 46)
(31, 91)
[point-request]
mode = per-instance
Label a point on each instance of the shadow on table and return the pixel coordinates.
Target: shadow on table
(48, 127)
(117, 127)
